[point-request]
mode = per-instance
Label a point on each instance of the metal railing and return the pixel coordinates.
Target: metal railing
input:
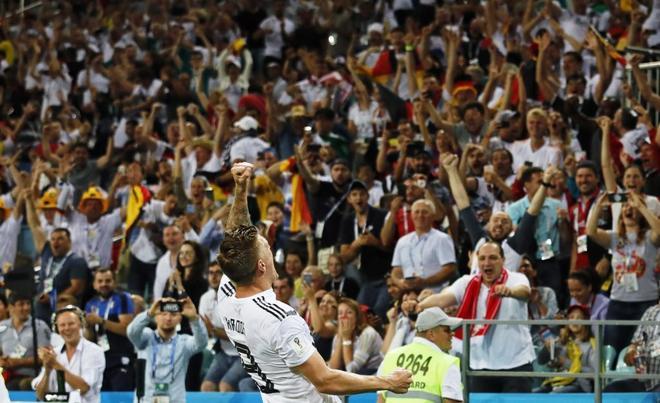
(652, 70)
(597, 376)
(10, 8)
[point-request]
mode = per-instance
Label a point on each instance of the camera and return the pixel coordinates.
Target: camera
(617, 197)
(313, 148)
(170, 306)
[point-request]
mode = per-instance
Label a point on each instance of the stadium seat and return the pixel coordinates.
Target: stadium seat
(609, 357)
(621, 366)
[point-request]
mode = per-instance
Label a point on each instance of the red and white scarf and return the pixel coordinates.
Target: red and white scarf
(468, 307)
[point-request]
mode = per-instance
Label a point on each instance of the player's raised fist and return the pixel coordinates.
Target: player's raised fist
(242, 171)
(400, 380)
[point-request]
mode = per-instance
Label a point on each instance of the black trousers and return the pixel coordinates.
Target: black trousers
(501, 384)
(119, 378)
(141, 276)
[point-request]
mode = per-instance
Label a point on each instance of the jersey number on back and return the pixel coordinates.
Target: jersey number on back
(414, 363)
(251, 367)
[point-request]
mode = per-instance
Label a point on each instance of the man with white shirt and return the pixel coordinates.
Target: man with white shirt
(535, 149)
(273, 341)
(275, 29)
(80, 361)
(92, 229)
(493, 293)
(426, 257)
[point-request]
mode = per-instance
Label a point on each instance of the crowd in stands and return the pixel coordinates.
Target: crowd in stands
(406, 153)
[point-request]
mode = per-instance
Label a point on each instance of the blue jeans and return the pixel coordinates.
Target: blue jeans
(620, 336)
(374, 294)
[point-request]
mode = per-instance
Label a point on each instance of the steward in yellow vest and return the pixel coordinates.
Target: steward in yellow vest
(436, 374)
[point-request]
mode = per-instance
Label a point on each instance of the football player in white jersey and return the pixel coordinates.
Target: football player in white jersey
(274, 342)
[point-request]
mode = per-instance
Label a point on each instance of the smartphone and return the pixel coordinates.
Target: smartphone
(170, 306)
(313, 148)
(307, 278)
(528, 163)
(208, 193)
(617, 197)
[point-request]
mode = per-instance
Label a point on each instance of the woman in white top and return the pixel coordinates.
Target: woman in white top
(356, 347)
(634, 246)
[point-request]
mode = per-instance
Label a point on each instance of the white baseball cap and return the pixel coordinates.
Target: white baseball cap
(434, 317)
(247, 123)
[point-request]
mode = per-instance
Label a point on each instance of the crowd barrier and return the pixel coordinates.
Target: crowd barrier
(207, 397)
(599, 376)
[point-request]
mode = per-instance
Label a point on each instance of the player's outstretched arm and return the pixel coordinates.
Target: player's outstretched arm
(239, 215)
(336, 382)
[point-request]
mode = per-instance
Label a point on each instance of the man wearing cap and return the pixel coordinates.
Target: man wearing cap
(436, 374)
(369, 56)
(328, 200)
(360, 243)
(92, 228)
(50, 217)
(503, 131)
(249, 146)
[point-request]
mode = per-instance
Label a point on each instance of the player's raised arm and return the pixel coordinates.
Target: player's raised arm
(336, 382)
(239, 215)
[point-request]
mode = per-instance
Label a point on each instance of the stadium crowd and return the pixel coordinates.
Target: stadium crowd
(407, 154)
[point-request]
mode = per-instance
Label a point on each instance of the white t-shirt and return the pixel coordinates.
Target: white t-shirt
(634, 268)
(424, 256)
(543, 157)
(93, 242)
(100, 82)
(632, 141)
(271, 338)
(503, 347)
(274, 40)
(363, 119)
(9, 230)
(247, 149)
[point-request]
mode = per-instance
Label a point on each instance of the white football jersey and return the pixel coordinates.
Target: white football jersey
(270, 338)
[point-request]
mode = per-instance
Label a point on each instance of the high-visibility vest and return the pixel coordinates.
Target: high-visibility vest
(428, 365)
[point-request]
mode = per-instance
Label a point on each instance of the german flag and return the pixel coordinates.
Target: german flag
(138, 196)
(614, 54)
(299, 206)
